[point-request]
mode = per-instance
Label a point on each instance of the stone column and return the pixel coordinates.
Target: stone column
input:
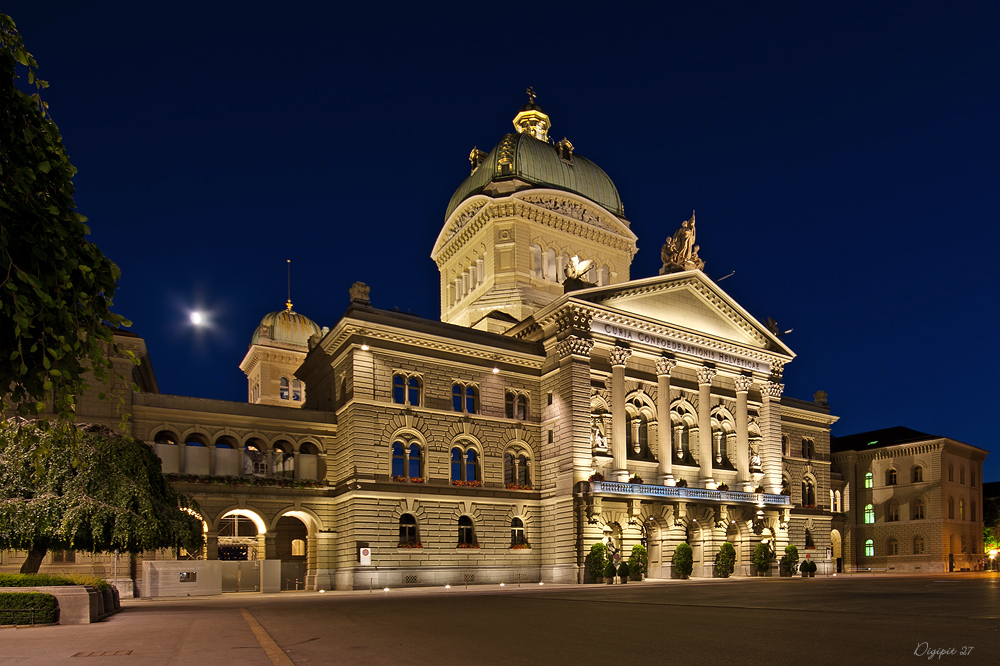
(243, 461)
(619, 357)
(212, 545)
(181, 458)
(664, 447)
(296, 472)
(743, 384)
(705, 454)
(770, 454)
(211, 459)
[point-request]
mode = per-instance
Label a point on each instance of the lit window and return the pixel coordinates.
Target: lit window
(517, 532)
(283, 388)
(961, 509)
(892, 513)
(869, 480)
(892, 547)
(917, 510)
(918, 546)
(298, 548)
(296, 390)
(869, 548)
(918, 474)
(869, 513)
(407, 530)
(466, 532)
(891, 478)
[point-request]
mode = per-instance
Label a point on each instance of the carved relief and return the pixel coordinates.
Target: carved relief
(706, 375)
(620, 355)
(743, 383)
(464, 218)
(570, 209)
(574, 346)
(665, 365)
(771, 390)
(574, 319)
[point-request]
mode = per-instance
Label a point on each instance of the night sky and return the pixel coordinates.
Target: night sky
(843, 159)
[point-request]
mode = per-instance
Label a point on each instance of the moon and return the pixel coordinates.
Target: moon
(197, 318)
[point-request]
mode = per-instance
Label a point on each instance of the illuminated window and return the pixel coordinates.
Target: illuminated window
(517, 532)
(918, 546)
(892, 513)
(466, 532)
(869, 480)
(407, 530)
(917, 509)
(869, 513)
(918, 474)
(961, 509)
(283, 388)
(891, 477)
(296, 390)
(892, 547)
(869, 548)
(298, 548)
(406, 389)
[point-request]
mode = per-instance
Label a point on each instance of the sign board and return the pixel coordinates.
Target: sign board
(366, 557)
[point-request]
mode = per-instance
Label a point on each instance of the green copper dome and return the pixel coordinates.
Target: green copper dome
(541, 164)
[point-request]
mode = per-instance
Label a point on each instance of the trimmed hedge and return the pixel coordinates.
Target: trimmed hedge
(41, 580)
(45, 605)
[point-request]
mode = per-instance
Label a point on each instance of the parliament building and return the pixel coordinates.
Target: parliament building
(560, 401)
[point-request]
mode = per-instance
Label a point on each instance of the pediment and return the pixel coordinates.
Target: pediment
(688, 301)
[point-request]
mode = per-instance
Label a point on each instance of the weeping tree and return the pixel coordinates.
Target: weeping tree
(87, 488)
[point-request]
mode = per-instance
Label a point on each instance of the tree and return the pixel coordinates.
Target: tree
(598, 560)
(638, 561)
(725, 560)
(87, 488)
(55, 286)
(761, 557)
(683, 560)
(790, 560)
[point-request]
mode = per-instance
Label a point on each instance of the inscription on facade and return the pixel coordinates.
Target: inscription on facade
(713, 355)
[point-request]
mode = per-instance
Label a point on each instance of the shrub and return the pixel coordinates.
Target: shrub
(809, 566)
(623, 569)
(761, 557)
(725, 560)
(42, 580)
(45, 605)
(609, 569)
(598, 559)
(682, 483)
(683, 560)
(638, 561)
(722, 486)
(791, 558)
(635, 478)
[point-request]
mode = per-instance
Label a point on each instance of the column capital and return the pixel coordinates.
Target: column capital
(743, 383)
(574, 346)
(665, 365)
(620, 355)
(706, 375)
(771, 390)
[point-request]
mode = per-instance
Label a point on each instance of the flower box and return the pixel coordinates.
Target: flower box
(467, 484)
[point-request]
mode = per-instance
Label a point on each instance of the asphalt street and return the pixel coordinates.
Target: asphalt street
(951, 618)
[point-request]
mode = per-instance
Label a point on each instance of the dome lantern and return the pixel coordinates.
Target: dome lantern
(532, 119)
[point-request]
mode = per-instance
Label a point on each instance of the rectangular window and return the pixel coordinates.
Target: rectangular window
(63, 557)
(893, 547)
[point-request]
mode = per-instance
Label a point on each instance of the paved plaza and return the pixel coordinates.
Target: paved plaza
(771, 621)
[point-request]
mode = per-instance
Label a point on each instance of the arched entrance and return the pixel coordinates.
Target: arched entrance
(836, 545)
(291, 546)
(241, 535)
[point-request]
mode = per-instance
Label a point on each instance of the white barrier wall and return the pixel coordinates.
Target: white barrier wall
(185, 578)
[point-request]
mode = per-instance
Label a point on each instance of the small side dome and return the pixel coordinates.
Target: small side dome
(285, 326)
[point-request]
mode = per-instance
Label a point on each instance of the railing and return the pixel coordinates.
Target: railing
(616, 488)
(12, 615)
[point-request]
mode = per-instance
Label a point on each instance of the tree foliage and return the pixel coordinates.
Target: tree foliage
(761, 557)
(638, 561)
(87, 489)
(55, 286)
(725, 560)
(598, 560)
(683, 560)
(790, 560)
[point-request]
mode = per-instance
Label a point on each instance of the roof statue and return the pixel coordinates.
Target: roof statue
(576, 269)
(680, 253)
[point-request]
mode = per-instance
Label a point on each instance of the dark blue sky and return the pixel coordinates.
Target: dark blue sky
(844, 160)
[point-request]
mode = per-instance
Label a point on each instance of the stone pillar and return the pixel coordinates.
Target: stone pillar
(664, 448)
(296, 472)
(619, 357)
(270, 546)
(243, 461)
(743, 384)
(211, 459)
(212, 545)
(705, 454)
(181, 458)
(770, 454)
(326, 562)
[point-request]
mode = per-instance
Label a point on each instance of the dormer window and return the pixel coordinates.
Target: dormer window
(565, 149)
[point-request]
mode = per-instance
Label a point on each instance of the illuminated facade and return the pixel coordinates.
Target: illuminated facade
(557, 403)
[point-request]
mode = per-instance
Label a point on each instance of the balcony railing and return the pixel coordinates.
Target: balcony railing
(674, 492)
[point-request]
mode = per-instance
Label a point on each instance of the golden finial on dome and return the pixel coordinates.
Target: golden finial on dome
(288, 303)
(531, 119)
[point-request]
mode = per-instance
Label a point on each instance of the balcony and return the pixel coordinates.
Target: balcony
(691, 494)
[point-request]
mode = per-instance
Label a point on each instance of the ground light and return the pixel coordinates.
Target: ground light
(385, 589)
(447, 587)
(501, 584)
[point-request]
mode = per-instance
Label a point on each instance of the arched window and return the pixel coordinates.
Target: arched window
(891, 477)
(517, 532)
(961, 509)
(869, 480)
(408, 531)
(961, 475)
(972, 478)
(786, 485)
(808, 493)
(785, 445)
(550, 265)
(465, 398)
(951, 508)
(951, 473)
(283, 388)
(406, 389)
(407, 461)
(536, 261)
(636, 435)
(522, 406)
(296, 390)
(972, 510)
(682, 419)
(918, 474)
(282, 460)
(810, 544)
(516, 471)
(917, 510)
(891, 512)
(869, 548)
(892, 547)
(398, 460)
(808, 448)
(837, 501)
(918, 545)
(869, 513)
(466, 533)
(465, 465)
(515, 405)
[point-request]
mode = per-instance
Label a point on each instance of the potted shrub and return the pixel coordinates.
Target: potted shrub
(609, 572)
(596, 476)
(761, 558)
(790, 560)
(638, 562)
(683, 560)
(635, 478)
(725, 560)
(722, 486)
(810, 567)
(623, 571)
(598, 560)
(681, 483)
(759, 490)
